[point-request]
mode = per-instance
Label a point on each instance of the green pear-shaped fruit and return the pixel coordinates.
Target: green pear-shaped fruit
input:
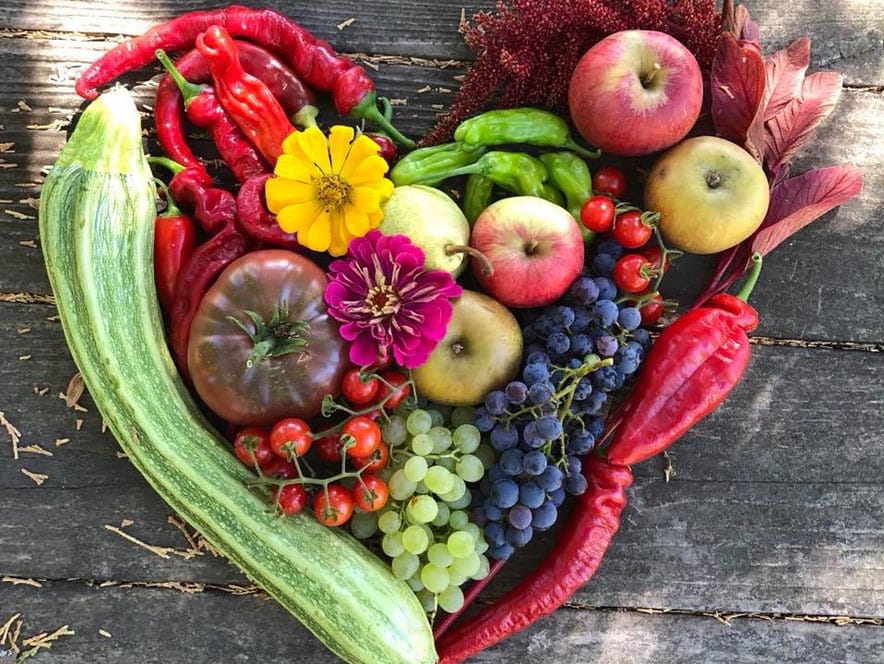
(481, 352)
(432, 221)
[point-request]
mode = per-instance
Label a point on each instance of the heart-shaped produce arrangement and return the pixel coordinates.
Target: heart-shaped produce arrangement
(418, 355)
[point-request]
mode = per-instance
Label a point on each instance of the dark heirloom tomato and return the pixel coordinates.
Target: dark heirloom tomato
(262, 345)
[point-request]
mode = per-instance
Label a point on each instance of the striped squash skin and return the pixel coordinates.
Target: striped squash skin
(96, 227)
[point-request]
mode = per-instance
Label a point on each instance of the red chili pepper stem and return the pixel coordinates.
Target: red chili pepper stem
(751, 278)
(165, 162)
(188, 90)
(367, 109)
(468, 599)
(171, 210)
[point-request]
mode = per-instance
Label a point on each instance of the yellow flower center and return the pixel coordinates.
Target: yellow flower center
(332, 191)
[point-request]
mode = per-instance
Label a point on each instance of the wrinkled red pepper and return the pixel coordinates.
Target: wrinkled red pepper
(256, 221)
(247, 100)
(579, 549)
(213, 207)
(312, 59)
(174, 242)
(204, 110)
(688, 372)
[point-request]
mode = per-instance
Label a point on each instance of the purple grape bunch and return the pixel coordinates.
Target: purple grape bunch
(578, 351)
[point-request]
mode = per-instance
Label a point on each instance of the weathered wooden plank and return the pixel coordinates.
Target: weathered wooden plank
(798, 296)
(153, 626)
(757, 516)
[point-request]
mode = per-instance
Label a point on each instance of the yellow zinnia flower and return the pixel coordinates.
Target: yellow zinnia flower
(328, 190)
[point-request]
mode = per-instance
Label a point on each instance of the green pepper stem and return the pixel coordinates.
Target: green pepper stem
(751, 278)
(582, 151)
(306, 116)
(188, 90)
(367, 109)
(167, 163)
(171, 210)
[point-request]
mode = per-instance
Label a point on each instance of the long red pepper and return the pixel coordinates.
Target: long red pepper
(690, 369)
(248, 101)
(576, 555)
(174, 242)
(312, 59)
(168, 113)
(256, 221)
(204, 110)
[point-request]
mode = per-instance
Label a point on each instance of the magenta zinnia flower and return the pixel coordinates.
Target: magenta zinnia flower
(385, 300)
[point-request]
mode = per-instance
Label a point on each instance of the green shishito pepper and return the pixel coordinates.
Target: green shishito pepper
(476, 195)
(529, 126)
(516, 172)
(570, 174)
(431, 165)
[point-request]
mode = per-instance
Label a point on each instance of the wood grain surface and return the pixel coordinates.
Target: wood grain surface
(766, 544)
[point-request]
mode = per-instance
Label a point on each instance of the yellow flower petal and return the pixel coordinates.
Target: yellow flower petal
(281, 192)
(339, 138)
(368, 171)
(315, 146)
(340, 238)
(294, 168)
(365, 199)
(356, 220)
(375, 218)
(299, 216)
(318, 235)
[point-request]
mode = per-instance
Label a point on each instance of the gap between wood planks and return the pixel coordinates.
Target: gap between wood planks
(722, 616)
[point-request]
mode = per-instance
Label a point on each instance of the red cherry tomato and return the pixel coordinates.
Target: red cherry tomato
(396, 379)
(253, 441)
(370, 494)
(290, 437)
(291, 498)
(630, 231)
(361, 436)
(334, 506)
(609, 180)
(374, 461)
(651, 310)
(279, 468)
(358, 391)
(653, 254)
(328, 448)
(631, 273)
(597, 214)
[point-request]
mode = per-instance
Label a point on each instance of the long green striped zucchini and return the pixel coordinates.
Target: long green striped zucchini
(96, 225)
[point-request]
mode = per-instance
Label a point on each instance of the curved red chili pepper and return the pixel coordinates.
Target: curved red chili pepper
(214, 208)
(247, 100)
(174, 243)
(256, 221)
(584, 538)
(690, 369)
(291, 92)
(310, 58)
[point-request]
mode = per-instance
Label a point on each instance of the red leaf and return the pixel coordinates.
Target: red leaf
(737, 88)
(800, 200)
(793, 125)
(784, 73)
(736, 21)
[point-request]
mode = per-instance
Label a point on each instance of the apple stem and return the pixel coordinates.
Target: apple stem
(487, 268)
(646, 81)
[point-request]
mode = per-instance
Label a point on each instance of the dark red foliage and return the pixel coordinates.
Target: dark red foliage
(527, 49)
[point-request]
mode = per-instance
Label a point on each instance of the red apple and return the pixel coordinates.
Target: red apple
(635, 92)
(534, 248)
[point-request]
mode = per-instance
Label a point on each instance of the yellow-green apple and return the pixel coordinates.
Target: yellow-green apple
(711, 194)
(635, 92)
(481, 352)
(534, 248)
(432, 221)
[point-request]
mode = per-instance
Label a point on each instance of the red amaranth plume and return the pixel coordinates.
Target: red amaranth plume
(527, 49)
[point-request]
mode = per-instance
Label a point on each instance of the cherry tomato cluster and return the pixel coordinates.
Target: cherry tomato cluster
(632, 229)
(356, 442)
